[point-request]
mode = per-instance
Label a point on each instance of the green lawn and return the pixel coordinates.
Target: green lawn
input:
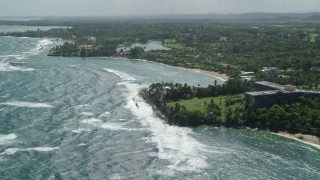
(172, 43)
(313, 37)
(199, 104)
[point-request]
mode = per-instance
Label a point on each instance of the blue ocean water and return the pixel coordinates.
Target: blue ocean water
(82, 118)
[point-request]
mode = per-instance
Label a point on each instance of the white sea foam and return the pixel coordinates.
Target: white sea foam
(87, 113)
(42, 149)
(123, 76)
(81, 106)
(117, 127)
(174, 144)
(92, 121)
(107, 113)
(116, 177)
(12, 151)
(6, 139)
(108, 125)
(42, 43)
(6, 67)
(27, 104)
(80, 130)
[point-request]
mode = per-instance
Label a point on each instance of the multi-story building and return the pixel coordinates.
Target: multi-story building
(268, 94)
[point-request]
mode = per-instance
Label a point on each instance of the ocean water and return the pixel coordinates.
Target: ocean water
(82, 118)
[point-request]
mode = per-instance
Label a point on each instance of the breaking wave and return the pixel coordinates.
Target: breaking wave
(7, 139)
(27, 104)
(175, 144)
(12, 151)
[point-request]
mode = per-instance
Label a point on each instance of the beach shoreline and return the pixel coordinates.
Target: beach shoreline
(220, 76)
(303, 138)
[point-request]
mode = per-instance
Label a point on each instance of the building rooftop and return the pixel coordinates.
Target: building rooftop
(262, 93)
(270, 84)
(265, 93)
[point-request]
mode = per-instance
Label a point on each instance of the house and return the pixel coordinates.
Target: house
(248, 78)
(269, 70)
(247, 75)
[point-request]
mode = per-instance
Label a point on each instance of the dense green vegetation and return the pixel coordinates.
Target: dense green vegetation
(302, 116)
(182, 106)
(230, 47)
(192, 111)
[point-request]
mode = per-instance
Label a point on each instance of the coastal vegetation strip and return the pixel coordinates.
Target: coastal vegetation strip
(184, 105)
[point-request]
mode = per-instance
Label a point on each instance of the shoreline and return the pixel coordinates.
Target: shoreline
(215, 74)
(311, 140)
(222, 77)
(303, 138)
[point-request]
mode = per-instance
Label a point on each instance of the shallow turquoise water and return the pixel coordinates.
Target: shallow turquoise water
(77, 118)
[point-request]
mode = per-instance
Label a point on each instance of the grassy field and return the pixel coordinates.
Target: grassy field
(199, 104)
(172, 43)
(311, 35)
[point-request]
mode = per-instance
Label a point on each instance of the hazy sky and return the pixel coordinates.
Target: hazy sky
(150, 7)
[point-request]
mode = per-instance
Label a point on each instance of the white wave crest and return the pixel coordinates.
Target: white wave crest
(117, 127)
(92, 121)
(175, 144)
(27, 104)
(107, 113)
(6, 139)
(80, 130)
(107, 125)
(123, 76)
(42, 43)
(87, 113)
(12, 151)
(6, 67)
(43, 149)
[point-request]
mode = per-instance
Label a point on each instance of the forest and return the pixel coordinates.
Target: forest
(226, 47)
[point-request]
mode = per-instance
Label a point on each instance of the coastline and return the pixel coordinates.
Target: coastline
(303, 138)
(223, 77)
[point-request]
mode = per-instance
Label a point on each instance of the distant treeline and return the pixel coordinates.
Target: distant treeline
(292, 47)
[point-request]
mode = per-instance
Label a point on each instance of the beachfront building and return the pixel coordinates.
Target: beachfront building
(268, 94)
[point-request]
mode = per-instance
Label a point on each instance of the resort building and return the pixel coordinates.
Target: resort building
(268, 94)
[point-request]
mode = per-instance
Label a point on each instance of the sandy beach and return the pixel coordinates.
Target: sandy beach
(223, 77)
(304, 138)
